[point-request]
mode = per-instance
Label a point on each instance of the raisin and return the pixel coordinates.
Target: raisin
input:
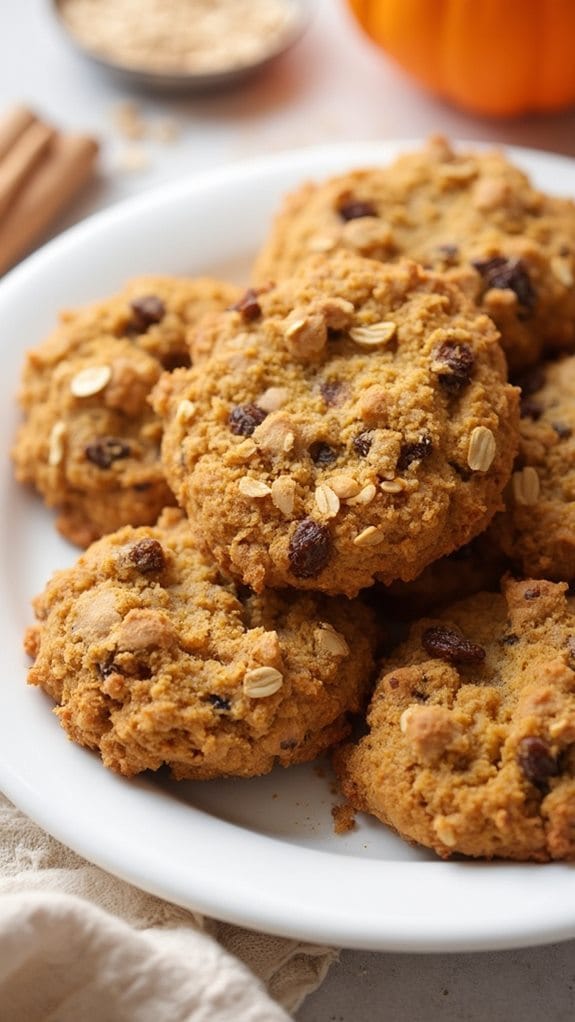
(510, 639)
(535, 759)
(309, 549)
(393, 682)
(243, 419)
(175, 360)
(108, 667)
(354, 209)
(146, 311)
(362, 443)
(322, 454)
(106, 450)
(459, 361)
(510, 275)
(415, 451)
(532, 594)
(147, 556)
(219, 702)
(451, 646)
(331, 391)
(463, 471)
(248, 306)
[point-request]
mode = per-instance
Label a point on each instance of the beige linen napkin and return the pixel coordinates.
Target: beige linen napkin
(77, 943)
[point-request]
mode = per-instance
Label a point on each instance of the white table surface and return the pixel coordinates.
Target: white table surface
(333, 86)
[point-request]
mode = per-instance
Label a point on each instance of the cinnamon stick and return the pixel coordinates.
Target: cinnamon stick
(66, 166)
(13, 125)
(21, 159)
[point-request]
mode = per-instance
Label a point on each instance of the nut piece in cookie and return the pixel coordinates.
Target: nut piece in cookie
(90, 441)
(360, 426)
(154, 658)
(472, 729)
(473, 215)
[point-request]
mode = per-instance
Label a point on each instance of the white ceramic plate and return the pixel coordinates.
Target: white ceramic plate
(257, 852)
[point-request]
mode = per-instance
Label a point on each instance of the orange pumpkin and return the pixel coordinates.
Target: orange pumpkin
(499, 57)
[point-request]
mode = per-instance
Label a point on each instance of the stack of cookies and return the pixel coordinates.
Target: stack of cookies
(345, 448)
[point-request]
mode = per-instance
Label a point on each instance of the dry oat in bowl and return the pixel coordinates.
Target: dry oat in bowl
(184, 43)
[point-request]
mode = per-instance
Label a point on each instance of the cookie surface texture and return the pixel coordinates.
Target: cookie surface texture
(359, 426)
(537, 529)
(90, 441)
(154, 658)
(472, 728)
(473, 214)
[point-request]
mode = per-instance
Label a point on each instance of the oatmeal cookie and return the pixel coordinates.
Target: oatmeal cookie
(473, 215)
(155, 658)
(472, 729)
(537, 529)
(90, 441)
(473, 568)
(359, 425)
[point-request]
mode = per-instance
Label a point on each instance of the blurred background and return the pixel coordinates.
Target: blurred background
(333, 84)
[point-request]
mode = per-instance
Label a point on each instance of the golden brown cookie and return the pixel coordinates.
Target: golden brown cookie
(478, 566)
(472, 214)
(155, 658)
(358, 425)
(472, 729)
(90, 442)
(537, 529)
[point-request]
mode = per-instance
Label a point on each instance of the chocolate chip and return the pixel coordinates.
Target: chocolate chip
(243, 419)
(415, 451)
(309, 549)
(147, 555)
(219, 702)
(459, 361)
(510, 275)
(354, 209)
(106, 450)
(362, 443)
(535, 759)
(331, 391)
(248, 305)
(322, 454)
(532, 594)
(146, 311)
(563, 431)
(530, 409)
(451, 646)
